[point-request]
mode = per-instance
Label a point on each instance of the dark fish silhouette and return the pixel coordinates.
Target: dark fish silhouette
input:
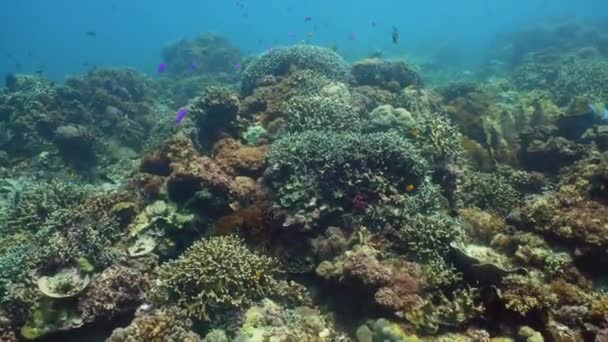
(91, 33)
(395, 35)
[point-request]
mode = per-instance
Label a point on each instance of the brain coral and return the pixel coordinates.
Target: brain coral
(278, 61)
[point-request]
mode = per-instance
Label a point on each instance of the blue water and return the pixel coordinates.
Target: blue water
(51, 35)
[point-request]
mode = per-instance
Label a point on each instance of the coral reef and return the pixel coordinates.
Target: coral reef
(320, 201)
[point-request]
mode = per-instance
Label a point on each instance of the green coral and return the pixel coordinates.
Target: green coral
(489, 191)
(278, 61)
(254, 134)
(555, 263)
(320, 113)
(326, 172)
(383, 330)
(457, 310)
(583, 78)
(217, 273)
(38, 203)
(213, 112)
(523, 294)
(429, 236)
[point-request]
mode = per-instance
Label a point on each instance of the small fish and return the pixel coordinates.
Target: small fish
(269, 50)
(91, 33)
(180, 115)
(237, 66)
(395, 35)
(310, 35)
(374, 24)
(162, 67)
(307, 18)
(352, 36)
(193, 65)
(410, 187)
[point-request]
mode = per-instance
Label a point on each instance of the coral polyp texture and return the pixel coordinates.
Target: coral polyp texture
(297, 196)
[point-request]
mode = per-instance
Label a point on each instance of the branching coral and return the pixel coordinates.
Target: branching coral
(280, 60)
(316, 174)
(214, 111)
(217, 273)
(40, 201)
(429, 236)
(320, 113)
(490, 192)
(524, 294)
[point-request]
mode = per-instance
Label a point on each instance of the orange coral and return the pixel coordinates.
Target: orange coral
(250, 221)
(236, 158)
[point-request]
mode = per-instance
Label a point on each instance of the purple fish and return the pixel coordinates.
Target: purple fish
(181, 114)
(352, 36)
(308, 18)
(269, 50)
(161, 68)
(193, 65)
(237, 66)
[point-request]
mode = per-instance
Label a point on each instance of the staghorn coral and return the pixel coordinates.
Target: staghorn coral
(216, 274)
(161, 325)
(278, 61)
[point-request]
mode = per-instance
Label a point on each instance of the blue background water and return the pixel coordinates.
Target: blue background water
(51, 34)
